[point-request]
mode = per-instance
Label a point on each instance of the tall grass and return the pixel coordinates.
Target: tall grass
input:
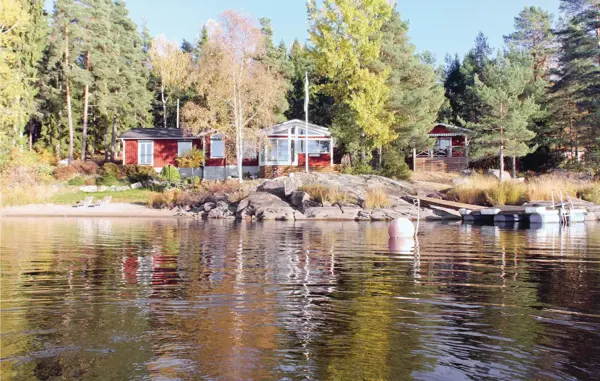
(26, 194)
(376, 198)
(323, 193)
(487, 190)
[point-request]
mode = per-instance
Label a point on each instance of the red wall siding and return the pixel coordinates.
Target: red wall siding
(216, 162)
(323, 160)
(165, 152)
(458, 141)
(131, 152)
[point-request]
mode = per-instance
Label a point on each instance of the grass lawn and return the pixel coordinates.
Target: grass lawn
(134, 196)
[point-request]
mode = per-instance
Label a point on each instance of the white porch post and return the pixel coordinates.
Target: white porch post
(331, 150)
(289, 148)
(124, 157)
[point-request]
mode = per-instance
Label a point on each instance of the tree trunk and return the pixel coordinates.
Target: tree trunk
(240, 159)
(164, 102)
(113, 139)
(514, 167)
(30, 130)
(106, 141)
(68, 95)
(86, 91)
(380, 158)
(501, 155)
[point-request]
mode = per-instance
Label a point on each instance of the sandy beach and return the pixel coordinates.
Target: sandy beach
(110, 210)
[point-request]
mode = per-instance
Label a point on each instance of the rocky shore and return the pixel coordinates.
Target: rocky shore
(283, 199)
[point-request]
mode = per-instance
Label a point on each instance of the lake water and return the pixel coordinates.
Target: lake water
(118, 299)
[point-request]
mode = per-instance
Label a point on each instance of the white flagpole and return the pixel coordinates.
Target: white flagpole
(306, 122)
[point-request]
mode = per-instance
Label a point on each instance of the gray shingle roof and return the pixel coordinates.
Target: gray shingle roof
(154, 133)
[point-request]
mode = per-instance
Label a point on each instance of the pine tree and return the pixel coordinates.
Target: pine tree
(415, 94)
(575, 93)
(502, 128)
(533, 35)
(459, 80)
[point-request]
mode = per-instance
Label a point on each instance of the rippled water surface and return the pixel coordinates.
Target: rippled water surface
(117, 299)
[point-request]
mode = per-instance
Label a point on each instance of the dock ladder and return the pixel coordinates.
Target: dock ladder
(564, 213)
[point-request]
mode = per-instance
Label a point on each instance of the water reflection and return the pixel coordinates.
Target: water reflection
(178, 299)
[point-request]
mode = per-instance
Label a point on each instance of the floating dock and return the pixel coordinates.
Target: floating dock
(534, 213)
(531, 214)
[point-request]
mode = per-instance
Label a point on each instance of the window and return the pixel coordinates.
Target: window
(217, 146)
(277, 150)
(145, 152)
(314, 146)
(183, 148)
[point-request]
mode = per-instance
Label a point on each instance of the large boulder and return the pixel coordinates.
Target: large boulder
(297, 198)
(496, 173)
(328, 213)
(266, 206)
(281, 187)
(220, 211)
(89, 188)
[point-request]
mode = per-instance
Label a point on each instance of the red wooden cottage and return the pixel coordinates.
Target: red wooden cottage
(283, 152)
(449, 153)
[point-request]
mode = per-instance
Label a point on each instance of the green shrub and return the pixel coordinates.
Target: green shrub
(394, 166)
(87, 167)
(24, 168)
(78, 181)
(170, 173)
(108, 180)
(193, 158)
(110, 169)
(136, 173)
(358, 169)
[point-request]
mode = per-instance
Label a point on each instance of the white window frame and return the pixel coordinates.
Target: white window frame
(146, 143)
(216, 138)
(300, 146)
(180, 150)
(273, 147)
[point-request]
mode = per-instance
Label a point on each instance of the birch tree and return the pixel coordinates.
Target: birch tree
(237, 93)
(171, 65)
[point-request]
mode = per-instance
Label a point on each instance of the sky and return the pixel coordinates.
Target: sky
(439, 26)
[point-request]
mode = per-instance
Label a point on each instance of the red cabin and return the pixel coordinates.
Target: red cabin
(283, 152)
(449, 153)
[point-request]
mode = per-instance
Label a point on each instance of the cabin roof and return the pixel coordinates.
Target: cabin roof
(159, 133)
(450, 130)
(282, 128)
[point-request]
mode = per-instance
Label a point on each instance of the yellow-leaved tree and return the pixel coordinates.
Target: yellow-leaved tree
(237, 93)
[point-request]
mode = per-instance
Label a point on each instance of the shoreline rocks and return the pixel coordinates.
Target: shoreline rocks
(282, 199)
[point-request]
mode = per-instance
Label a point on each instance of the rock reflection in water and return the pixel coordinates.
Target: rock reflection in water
(179, 299)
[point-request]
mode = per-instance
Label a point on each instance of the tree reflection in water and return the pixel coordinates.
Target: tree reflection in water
(181, 299)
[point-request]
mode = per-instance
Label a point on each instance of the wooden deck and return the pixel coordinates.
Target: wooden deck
(440, 164)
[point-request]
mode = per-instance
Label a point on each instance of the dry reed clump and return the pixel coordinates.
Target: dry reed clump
(376, 198)
(541, 188)
(323, 193)
(176, 197)
(487, 190)
(26, 194)
(592, 193)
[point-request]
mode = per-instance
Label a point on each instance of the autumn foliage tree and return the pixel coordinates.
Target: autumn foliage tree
(237, 93)
(171, 65)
